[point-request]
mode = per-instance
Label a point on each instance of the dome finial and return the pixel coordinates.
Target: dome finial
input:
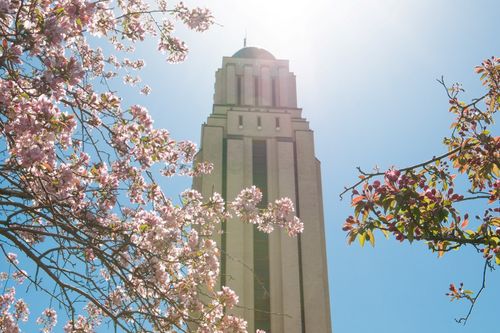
(245, 39)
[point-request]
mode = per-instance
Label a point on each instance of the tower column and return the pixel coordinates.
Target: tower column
(265, 79)
(212, 137)
(289, 248)
(248, 85)
(220, 81)
(239, 249)
(283, 77)
(275, 239)
(231, 97)
(313, 251)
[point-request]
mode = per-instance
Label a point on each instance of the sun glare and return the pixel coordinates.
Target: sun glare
(280, 25)
(292, 27)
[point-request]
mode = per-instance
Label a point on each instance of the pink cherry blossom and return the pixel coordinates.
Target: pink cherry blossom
(48, 320)
(81, 172)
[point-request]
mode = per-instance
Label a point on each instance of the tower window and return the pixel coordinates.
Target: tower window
(277, 123)
(238, 90)
(259, 122)
(256, 90)
(273, 91)
(261, 283)
(240, 121)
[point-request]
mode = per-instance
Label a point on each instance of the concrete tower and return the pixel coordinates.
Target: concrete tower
(256, 135)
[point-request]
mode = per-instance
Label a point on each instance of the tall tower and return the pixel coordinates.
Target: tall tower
(256, 136)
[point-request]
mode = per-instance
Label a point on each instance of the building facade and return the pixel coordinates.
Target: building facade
(256, 135)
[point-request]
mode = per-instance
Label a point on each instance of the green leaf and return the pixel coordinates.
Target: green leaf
(357, 210)
(470, 232)
(362, 239)
(411, 231)
(371, 238)
(385, 205)
(496, 170)
(386, 233)
(366, 212)
(59, 10)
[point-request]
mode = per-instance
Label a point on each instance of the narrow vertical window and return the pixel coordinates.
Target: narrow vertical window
(277, 123)
(261, 272)
(256, 90)
(238, 90)
(240, 121)
(259, 122)
(273, 91)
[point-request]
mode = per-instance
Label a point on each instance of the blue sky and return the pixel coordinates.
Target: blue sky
(366, 80)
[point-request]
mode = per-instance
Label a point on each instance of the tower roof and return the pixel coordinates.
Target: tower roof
(253, 53)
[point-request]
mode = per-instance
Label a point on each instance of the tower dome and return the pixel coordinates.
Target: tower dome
(252, 52)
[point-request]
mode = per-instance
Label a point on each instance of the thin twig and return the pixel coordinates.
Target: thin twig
(463, 320)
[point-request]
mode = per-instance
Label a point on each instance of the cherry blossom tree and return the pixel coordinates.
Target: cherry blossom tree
(83, 219)
(422, 203)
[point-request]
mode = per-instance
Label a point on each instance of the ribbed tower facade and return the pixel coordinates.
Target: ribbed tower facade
(256, 135)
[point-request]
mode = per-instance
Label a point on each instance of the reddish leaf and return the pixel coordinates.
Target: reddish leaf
(357, 199)
(441, 249)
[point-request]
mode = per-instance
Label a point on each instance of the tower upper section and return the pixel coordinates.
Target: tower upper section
(256, 135)
(253, 77)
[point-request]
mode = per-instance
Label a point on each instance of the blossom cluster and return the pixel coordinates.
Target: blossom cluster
(420, 202)
(78, 173)
(279, 213)
(12, 311)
